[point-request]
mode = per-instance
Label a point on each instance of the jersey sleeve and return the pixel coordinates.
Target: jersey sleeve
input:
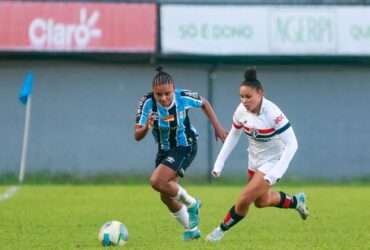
(282, 127)
(228, 146)
(291, 146)
(191, 99)
(237, 118)
(143, 110)
(278, 120)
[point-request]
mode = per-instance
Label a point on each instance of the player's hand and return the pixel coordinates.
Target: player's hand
(221, 134)
(215, 173)
(217, 168)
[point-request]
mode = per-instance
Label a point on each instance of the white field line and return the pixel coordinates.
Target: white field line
(9, 193)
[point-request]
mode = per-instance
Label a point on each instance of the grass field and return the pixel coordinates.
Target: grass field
(69, 217)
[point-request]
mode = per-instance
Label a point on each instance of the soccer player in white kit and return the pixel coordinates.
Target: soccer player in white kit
(272, 145)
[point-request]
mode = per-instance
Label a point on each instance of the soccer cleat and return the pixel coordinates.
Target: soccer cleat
(191, 234)
(216, 235)
(194, 214)
(301, 205)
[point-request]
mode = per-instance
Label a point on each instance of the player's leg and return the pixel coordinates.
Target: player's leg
(176, 198)
(170, 165)
(164, 180)
(285, 201)
(175, 207)
(187, 155)
(174, 195)
(178, 210)
(282, 199)
(276, 199)
(256, 187)
(172, 204)
(161, 180)
(269, 199)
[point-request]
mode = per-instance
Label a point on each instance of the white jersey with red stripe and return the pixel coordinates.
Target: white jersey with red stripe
(263, 129)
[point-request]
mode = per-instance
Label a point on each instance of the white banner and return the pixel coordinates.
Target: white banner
(213, 30)
(354, 35)
(265, 30)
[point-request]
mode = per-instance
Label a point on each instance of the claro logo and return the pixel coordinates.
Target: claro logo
(51, 34)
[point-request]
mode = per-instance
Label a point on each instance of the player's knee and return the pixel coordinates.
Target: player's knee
(260, 204)
(155, 183)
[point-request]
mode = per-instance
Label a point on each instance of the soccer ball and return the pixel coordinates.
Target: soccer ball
(113, 233)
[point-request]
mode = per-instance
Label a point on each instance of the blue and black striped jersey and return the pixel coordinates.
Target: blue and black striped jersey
(172, 125)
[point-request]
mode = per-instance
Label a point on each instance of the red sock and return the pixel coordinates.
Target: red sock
(231, 219)
(287, 201)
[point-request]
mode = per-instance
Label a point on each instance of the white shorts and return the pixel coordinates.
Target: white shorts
(265, 168)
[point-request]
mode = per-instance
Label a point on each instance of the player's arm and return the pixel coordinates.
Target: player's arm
(291, 145)
(208, 110)
(228, 146)
(144, 118)
(141, 131)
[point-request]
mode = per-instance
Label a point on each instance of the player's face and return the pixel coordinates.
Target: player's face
(251, 98)
(163, 93)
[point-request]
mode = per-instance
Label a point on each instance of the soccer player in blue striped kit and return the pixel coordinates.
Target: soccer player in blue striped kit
(165, 111)
(272, 145)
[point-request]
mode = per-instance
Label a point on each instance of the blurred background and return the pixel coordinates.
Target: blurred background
(93, 60)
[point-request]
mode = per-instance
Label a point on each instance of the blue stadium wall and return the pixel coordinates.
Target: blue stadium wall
(83, 116)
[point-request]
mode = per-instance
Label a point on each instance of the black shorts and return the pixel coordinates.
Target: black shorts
(178, 159)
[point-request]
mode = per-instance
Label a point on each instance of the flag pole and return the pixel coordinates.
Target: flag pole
(25, 139)
(25, 98)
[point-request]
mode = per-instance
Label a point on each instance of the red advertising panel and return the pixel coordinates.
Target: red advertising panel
(52, 26)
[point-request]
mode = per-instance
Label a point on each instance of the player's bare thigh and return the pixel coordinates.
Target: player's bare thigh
(161, 180)
(255, 188)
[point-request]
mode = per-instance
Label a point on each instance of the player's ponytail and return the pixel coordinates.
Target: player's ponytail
(161, 77)
(250, 78)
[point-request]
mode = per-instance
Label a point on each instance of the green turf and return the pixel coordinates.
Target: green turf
(69, 217)
(3, 189)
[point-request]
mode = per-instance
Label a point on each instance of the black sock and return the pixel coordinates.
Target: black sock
(287, 201)
(231, 219)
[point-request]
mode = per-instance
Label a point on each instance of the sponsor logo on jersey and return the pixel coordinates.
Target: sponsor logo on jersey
(170, 159)
(279, 119)
(194, 95)
(140, 106)
(169, 118)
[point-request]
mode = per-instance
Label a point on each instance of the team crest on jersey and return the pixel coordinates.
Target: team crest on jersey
(254, 133)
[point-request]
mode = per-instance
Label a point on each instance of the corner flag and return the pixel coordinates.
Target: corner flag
(26, 88)
(26, 98)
